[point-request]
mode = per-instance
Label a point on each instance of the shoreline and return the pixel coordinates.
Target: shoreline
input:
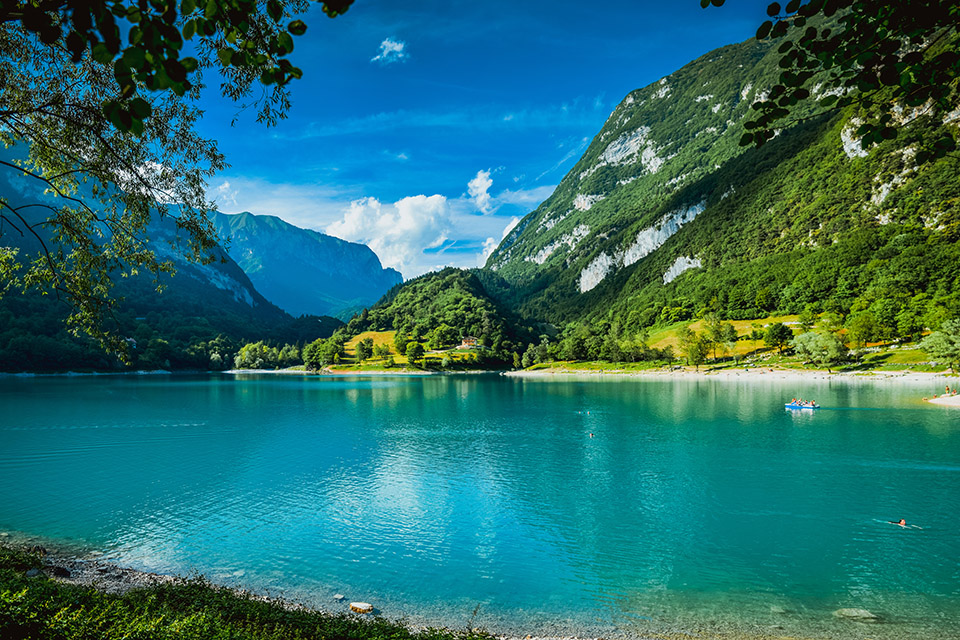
(90, 570)
(945, 401)
(752, 373)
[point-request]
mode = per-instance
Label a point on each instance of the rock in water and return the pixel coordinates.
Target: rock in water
(361, 607)
(339, 597)
(861, 615)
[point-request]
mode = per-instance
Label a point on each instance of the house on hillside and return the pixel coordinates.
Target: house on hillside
(469, 342)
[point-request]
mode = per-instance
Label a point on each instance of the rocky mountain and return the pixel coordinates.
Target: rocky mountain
(202, 307)
(303, 271)
(666, 216)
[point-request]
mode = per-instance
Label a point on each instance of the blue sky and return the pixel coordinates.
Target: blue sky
(426, 129)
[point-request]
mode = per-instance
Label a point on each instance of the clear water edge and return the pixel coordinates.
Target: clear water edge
(696, 505)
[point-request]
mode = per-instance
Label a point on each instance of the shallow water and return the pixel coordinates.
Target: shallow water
(696, 504)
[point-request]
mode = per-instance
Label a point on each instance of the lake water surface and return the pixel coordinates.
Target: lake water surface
(696, 504)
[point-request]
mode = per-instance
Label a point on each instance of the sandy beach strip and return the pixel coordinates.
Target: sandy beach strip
(742, 373)
(946, 401)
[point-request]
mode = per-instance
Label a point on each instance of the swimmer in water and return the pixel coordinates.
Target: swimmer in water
(901, 522)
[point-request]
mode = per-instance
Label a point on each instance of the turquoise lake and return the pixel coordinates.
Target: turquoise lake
(483, 499)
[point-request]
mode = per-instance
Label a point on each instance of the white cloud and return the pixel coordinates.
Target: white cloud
(225, 195)
(391, 51)
(478, 190)
(311, 206)
(397, 233)
(575, 151)
(525, 197)
(413, 234)
(492, 243)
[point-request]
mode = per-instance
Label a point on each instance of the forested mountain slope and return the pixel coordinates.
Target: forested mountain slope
(666, 217)
(202, 315)
(451, 301)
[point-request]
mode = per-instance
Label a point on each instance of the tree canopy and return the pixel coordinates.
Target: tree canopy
(97, 114)
(886, 57)
(245, 38)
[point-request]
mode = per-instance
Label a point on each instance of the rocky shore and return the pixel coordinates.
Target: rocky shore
(70, 567)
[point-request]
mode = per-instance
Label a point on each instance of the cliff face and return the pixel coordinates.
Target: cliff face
(666, 210)
(303, 271)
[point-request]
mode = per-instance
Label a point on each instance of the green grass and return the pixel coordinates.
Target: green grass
(907, 359)
(38, 608)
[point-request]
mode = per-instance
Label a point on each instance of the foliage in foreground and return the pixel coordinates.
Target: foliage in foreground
(41, 609)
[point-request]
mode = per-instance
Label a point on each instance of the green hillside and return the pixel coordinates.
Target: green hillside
(667, 218)
(442, 308)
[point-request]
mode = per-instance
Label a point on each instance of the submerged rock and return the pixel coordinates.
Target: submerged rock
(861, 615)
(60, 572)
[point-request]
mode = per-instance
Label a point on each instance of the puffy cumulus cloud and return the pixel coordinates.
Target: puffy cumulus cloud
(398, 233)
(391, 51)
(490, 244)
(478, 188)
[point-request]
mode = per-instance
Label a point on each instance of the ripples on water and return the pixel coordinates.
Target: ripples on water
(695, 504)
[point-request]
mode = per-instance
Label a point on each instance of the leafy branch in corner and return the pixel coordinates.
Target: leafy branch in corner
(886, 57)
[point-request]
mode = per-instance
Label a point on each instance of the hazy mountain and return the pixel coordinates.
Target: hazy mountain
(303, 271)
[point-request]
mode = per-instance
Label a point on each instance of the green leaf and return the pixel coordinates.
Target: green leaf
(190, 64)
(764, 30)
(134, 57)
(746, 139)
(175, 70)
(101, 54)
(704, 4)
(274, 10)
(284, 43)
(225, 55)
(136, 127)
(717, 3)
(297, 27)
(773, 9)
(187, 7)
(189, 29)
(140, 108)
(792, 6)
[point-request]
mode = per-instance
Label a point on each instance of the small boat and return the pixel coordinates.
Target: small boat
(801, 405)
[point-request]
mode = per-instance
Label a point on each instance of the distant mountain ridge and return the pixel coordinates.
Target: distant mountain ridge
(304, 271)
